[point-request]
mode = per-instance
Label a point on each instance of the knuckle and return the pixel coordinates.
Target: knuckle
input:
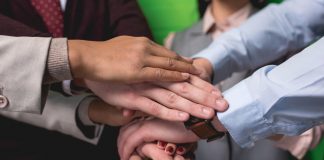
(206, 97)
(176, 56)
(172, 98)
(158, 74)
(154, 109)
(184, 88)
(194, 108)
(171, 62)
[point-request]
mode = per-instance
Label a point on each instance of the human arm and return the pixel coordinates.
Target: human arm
(59, 115)
(265, 37)
(171, 101)
(70, 115)
(285, 99)
(60, 59)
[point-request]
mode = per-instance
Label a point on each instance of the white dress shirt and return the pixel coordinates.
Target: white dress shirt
(63, 4)
(285, 99)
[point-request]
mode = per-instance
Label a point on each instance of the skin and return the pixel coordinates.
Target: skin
(169, 101)
(103, 113)
(128, 60)
(138, 133)
(222, 9)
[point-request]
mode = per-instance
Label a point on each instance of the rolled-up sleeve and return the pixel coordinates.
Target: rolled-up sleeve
(286, 99)
(266, 36)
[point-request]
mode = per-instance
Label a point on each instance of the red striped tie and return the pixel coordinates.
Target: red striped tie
(52, 15)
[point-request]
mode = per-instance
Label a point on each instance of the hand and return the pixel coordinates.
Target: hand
(101, 112)
(151, 151)
(205, 68)
(127, 59)
(177, 149)
(169, 101)
(141, 132)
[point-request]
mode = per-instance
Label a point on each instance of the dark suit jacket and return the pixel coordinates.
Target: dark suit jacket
(83, 19)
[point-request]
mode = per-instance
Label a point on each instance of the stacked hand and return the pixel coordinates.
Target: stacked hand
(168, 101)
(128, 60)
(138, 75)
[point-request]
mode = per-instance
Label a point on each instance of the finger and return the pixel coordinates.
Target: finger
(202, 84)
(128, 113)
(135, 156)
(160, 51)
(184, 148)
(170, 149)
(180, 150)
(151, 130)
(187, 58)
(179, 157)
(125, 133)
(150, 74)
(157, 110)
(173, 101)
(170, 64)
(193, 94)
(220, 105)
(161, 145)
(151, 151)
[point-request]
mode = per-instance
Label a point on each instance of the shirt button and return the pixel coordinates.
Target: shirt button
(3, 101)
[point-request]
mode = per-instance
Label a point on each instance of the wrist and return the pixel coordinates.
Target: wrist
(75, 58)
(93, 111)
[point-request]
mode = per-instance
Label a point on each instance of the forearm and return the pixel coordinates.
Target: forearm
(286, 99)
(266, 36)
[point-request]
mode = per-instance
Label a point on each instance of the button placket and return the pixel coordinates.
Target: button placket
(3, 99)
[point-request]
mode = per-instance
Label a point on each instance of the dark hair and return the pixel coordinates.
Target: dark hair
(259, 3)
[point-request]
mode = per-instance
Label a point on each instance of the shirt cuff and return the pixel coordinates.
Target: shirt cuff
(244, 119)
(84, 116)
(58, 61)
(66, 85)
(218, 56)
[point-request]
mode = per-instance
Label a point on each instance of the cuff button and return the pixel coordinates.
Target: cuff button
(3, 102)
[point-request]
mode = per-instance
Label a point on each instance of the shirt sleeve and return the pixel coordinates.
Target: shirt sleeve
(58, 66)
(87, 127)
(266, 36)
(286, 99)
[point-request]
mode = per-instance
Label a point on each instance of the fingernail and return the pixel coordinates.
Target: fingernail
(170, 149)
(220, 102)
(207, 110)
(180, 150)
(183, 115)
(162, 144)
(221, 105)
(185, 75)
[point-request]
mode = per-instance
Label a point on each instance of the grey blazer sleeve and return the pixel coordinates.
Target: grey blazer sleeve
(22, 67)
(58, 115)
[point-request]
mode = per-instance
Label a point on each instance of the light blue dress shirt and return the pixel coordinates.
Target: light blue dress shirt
(286, 99)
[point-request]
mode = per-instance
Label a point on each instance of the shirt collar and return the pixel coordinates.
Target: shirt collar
(234, 20)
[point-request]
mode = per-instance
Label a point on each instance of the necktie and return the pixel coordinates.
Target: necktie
(52, 15)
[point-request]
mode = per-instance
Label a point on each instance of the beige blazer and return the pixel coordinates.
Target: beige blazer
(22, 66)
(58, 115)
